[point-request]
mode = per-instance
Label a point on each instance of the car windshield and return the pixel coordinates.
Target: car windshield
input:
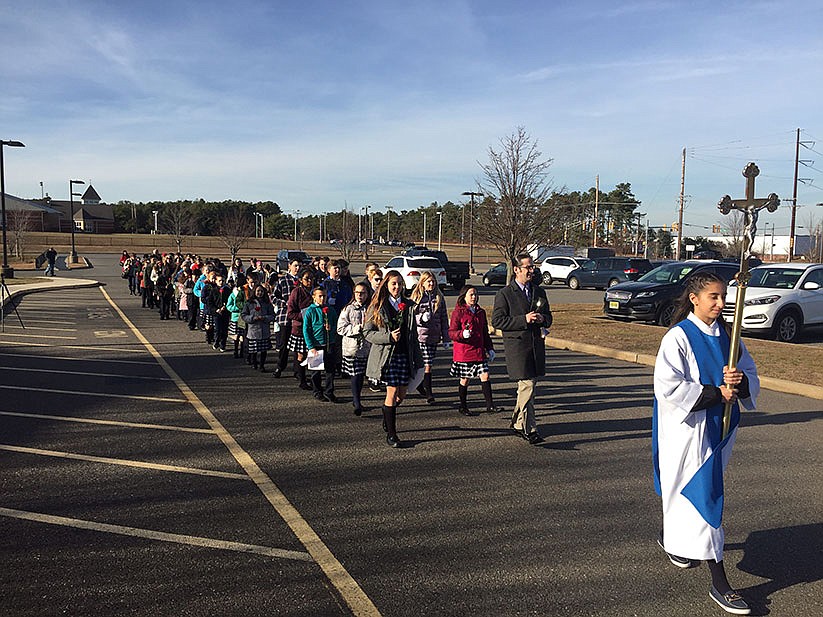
(775, 278)
(424, 262)
(668, 273)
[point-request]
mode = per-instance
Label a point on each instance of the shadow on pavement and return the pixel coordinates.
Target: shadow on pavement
(786, 557)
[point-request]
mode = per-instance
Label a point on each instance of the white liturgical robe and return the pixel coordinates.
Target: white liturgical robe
(683, 442)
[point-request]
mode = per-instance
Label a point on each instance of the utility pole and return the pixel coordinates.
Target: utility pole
(794, 196)
(679, 248)
(424, 227)
(596, 205)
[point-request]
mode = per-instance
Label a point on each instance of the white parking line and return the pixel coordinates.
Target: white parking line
(135, 397)
(163, 427)
(124, 462)
(53, 371)
(149, 534)
(27, 335)
(77, 359)
(30, 327)
(84, 347)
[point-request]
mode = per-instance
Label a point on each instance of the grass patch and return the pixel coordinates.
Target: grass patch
(585, 323)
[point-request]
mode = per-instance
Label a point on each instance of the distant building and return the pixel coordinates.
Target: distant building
(91, 215)
(770, 247)
(42, 218)
(90, 197)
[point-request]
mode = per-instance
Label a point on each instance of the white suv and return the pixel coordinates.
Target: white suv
(558, 268)
(412, 267)
(781, 299)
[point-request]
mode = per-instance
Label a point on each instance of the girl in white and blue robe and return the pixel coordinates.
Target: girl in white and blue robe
(690, 454)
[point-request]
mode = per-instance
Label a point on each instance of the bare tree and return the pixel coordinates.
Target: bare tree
(177, 220)
(20, 222)
(815, 247)
(346, 234)
(234, 227)
(517, 186)
(733, 225)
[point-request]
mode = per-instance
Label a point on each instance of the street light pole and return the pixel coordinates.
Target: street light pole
(471, 228)
(424, 228)
(388, 223)
(439, 228)
(296, 216)
(72, 194)
(6, 271)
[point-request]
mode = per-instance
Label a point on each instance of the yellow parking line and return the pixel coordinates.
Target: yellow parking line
(156, 535)
(351, 593)
(164, 427)
(124, 462)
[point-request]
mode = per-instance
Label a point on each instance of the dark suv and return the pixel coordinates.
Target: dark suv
(607, 271)
(285, 257)
(652, 296)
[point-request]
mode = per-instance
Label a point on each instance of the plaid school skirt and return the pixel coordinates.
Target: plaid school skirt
(258, 344)
(469, 370)
(354, 366)
(429, 351)
(208, 320)
(398, 371)
(298, 344)
(236, 330)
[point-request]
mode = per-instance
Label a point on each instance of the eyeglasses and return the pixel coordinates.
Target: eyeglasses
(526, 267)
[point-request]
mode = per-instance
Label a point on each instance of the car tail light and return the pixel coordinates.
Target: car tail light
(631, 271)
(414, 273)
(442, 273)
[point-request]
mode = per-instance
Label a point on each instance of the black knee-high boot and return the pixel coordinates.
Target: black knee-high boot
(390, 421)
(237, 347)
(427, 386)
(356, 387)
(301, 378)
(463, 393)
(253, 359)
(487, 394)
(263, 355)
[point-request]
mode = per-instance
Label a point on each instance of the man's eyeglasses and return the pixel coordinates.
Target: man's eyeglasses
(532, 267)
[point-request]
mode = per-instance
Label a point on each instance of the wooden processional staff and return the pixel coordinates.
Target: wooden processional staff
(750, 206)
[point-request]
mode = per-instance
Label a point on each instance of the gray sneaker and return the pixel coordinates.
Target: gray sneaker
(731, 602)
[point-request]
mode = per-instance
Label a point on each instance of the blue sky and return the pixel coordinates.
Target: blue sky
(315, 104)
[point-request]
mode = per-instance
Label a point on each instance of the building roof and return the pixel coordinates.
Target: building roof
(16, 203)
(90, 194)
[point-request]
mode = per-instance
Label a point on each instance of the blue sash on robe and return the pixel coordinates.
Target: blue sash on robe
(705, 489)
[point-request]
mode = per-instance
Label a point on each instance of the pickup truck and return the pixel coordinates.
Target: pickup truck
(457, 272)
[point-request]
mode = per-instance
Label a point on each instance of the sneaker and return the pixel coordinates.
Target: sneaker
(731, 602)
(534, 438)
(680, 562)
(321, 397)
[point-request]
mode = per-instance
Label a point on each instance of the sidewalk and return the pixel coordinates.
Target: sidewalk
(50, 283)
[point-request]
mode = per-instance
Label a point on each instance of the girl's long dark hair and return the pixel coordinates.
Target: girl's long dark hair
(683, 305)
(461, 297)
(380, 296)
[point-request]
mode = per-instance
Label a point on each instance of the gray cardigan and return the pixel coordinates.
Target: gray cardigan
(382, 345)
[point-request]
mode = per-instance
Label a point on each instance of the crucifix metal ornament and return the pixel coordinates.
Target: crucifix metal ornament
(750, 207)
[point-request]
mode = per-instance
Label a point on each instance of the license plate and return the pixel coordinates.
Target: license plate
(614, 305)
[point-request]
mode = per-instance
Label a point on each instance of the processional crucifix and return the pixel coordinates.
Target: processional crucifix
(750, 207)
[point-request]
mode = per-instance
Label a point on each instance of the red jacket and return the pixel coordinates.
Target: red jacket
(474, 348)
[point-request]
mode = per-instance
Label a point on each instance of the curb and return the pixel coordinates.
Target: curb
(53, 285)
(770, 383)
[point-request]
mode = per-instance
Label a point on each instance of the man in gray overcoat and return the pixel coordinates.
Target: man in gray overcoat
(521, 311)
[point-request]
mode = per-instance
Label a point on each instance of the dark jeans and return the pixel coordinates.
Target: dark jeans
(283, 352)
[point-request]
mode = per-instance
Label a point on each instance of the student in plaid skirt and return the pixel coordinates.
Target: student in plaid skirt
(395, 351)
(355, 346)
(473, 348)
(299, 300)
(258, 313)
(237, 327)
(432, 327)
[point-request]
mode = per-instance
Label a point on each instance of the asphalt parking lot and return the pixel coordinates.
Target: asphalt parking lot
(142, 473)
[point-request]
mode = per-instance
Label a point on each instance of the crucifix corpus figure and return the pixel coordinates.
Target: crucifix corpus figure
(750, 206)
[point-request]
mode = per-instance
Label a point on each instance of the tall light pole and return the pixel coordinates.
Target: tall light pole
(72, 195)
(471, 228)
(258, 215)
(7, 271)
(424, 228)
(155, 213)
(296, 216)
(439, 228)
(388, 223)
